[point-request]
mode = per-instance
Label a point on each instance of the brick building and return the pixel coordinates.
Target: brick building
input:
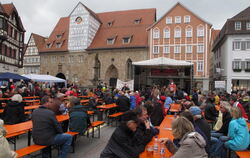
(181, 34)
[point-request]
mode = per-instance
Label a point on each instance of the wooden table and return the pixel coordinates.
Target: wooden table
(165, 132)
(31, 102)
(107, 106)
(27, 126)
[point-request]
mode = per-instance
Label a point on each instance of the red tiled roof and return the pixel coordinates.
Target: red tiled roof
(215, 33)
(61, 28)
(39, 40)
(123, 26)
(9, 9)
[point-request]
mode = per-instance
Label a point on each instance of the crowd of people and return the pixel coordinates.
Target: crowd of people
(209, 124)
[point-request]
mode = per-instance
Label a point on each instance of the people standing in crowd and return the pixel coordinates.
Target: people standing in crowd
(195, 97)
(168, 101)
(5, 150)
(132, 101)
(78, 117)
(192, 144)
(123, 102)
(47, 130)
(14, 110)
(124, 142)
(210, 110)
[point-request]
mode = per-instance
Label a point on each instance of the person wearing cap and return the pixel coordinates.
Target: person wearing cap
(124, 142)
(14, 110)
(202, 124)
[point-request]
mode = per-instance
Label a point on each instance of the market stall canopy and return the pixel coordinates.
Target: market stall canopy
(44, 78)
(162, 61)
(6, 76)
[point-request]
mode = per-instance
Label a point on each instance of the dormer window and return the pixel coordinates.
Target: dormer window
(59, 36)
(58, 44)
(126, 40)
(237, 25)
(110, 23)
(110, 41)
(137, 21)
(48, 45)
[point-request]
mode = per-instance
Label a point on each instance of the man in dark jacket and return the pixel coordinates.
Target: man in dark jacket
(14, 110)
(125, 141)
(47, 130)
(123, 102)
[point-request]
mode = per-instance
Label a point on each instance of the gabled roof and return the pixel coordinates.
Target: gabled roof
(178, 3)
(9, 9)
(39, 41)
(89, 10)
(242, 15)
(61, 28)
(123, 25)
(215, 33)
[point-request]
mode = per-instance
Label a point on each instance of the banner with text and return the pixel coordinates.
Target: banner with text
(120, 84)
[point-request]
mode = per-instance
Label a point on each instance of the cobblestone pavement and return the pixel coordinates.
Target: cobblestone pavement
(85, 147)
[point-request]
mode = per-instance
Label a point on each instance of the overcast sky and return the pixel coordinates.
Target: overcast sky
(40, 16)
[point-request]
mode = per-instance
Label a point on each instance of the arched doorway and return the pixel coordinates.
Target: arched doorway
(111, 75)
(62, 76)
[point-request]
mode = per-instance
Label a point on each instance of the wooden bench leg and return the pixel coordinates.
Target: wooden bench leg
(99, 131)
(93, 132)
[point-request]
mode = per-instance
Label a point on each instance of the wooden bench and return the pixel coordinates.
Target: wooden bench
(115, 116)
(243, 154)
(95, 124)
(74, 135)
(29, 149)
(12, 137)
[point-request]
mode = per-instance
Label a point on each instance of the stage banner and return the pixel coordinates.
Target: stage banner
(121, 83)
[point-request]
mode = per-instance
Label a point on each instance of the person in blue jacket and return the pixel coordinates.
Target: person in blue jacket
(238, 131)
(132, 101)
(238, 134)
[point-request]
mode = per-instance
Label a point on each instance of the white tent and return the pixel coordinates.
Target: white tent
(44, 78)
(162, 61)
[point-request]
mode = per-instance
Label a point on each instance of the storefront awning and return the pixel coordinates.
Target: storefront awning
(162, 61)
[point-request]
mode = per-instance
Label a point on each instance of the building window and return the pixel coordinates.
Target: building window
(177, 32)
(169, 20)
(137, 21)
(200, 48)
(166, 49)
(71, 59)
(189, 49)
(126, 40)
(62, 59)
(236, 65)
(178, 19)
(80, 58)
(156, 49)
(236, 45)
(237, 25)
(166, 33)
(189, 32)
(58, 36)
(177, 49)
(200, 66)
(187, 19)
(156, 34)
(129, 69)
(109, 24)
(58, 45)
(247, 45)
(247, 65)
(48, 45)
(110, 41)
(248, 25)
(200, 31)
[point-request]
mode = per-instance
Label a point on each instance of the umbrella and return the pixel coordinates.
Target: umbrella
(6, 76)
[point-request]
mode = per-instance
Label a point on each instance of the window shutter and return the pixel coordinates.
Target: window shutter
(243, 45)
(242, 65)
